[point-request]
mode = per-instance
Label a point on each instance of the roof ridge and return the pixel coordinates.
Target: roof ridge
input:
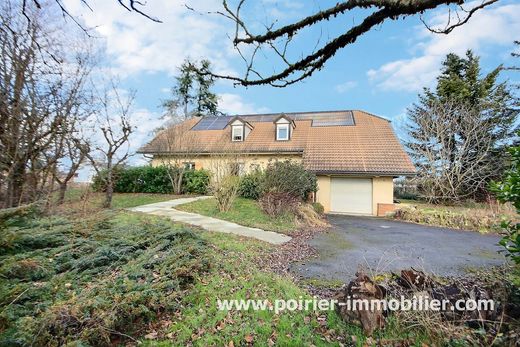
(373, 115)
(289, 113)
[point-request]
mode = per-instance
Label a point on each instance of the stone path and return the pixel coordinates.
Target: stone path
(166, 208)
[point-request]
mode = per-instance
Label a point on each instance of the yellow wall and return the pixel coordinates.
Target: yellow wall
(382, 192)
(323, 193)
(250, 161)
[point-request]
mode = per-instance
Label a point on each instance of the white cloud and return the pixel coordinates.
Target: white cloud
(234, 104)
(491, 26)
(345, 87)
(135, 44)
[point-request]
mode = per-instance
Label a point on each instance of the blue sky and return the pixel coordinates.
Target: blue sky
(381, 73)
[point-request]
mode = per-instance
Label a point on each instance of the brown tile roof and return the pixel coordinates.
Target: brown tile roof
(363, 144)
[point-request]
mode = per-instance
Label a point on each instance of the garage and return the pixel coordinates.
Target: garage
(351, 195)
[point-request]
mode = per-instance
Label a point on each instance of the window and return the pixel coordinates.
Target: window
(237, 133)
(236, 169)
(189, 166)
(282, 132)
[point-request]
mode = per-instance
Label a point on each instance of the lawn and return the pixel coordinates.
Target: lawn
(244, 212)
(120, 200)
(469, 216)
(82, 202)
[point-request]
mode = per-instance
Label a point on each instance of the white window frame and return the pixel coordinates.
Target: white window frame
(234, 129)
(237, 168)
(278, 128)
(189, 165)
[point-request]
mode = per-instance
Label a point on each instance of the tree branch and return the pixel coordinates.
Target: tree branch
(292, 71)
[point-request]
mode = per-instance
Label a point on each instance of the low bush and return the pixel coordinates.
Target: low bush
(143, 179)
(278, 203)
(318, 208)
(225, 191)
(289, 177)
(152, 179)
(508, 191)
(15, 215)
(250, 186)
(307, 215)
(196, 182)
(111, 277)
(469, 220)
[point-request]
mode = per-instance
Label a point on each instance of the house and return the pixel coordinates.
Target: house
(355, 154)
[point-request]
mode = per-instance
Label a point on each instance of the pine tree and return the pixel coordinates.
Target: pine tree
(469, 94)
(191, 95)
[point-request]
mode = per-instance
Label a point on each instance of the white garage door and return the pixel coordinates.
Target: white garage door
(351, 195)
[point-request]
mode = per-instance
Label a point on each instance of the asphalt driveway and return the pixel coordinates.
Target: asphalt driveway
(384, 245)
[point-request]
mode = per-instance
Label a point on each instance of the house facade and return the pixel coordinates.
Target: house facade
(354, 154)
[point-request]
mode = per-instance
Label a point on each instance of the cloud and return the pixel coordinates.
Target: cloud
(491, 26)
(345, 87)
(234, 104)
(135, 44)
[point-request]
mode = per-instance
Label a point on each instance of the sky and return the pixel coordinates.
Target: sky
(382, 72)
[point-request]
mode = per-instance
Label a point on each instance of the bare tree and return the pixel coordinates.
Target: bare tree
(180, 150)
(129, 5)
(75, 154)
(113, 149)
(226, 167)
(276, 43)
(450, 168)
(37, 93)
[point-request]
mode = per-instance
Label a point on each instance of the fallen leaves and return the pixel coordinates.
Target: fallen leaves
(295, 250)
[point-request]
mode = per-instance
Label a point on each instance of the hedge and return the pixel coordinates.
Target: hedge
(148, 179)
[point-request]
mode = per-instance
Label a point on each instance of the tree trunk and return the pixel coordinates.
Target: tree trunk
(63, 190)
(178, 188)
(15, 186)
(109, 191)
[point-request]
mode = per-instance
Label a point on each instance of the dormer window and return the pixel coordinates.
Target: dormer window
(239, 129)
(282, 132)
(284, 127)
(237, 133)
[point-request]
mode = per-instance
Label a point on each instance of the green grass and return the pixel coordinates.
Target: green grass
(235, 275)
(133, 200)
(81, 202)
(244, 212)
(119, 200)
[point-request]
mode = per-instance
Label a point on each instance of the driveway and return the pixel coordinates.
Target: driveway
(384, 245)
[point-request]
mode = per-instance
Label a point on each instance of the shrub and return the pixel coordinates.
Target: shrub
(250, 186)
(307, 215)
(509, 191)
(225, 191)
(143, 179)
(19, 215)
(196, 182)
(99, 180)
(152, 179)
(289, 177)
(470, 220)
(113, 274)
(318, 208)
(278, 203)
